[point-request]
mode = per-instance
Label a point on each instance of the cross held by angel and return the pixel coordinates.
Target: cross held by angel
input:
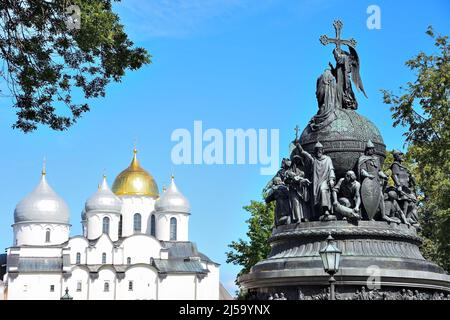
(334, 88)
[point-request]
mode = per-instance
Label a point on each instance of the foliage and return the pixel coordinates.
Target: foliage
(247, 253)
(45, 61)
(424, 109)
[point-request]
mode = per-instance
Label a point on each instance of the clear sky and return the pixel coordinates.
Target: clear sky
(231, 64)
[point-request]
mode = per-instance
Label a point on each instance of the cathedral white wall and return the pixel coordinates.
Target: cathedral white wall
(79, 275)
(95, 224)
(144, 279)
(35, 233)
(131, 205)
(35, 286)
(133, 247)
(208, 287)
(78, 245)
(94, 255)
(146, 285)
(97, 286)
(177, 287)
(36, 252)
(163, 226)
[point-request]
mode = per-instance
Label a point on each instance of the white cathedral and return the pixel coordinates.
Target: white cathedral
(135, 245)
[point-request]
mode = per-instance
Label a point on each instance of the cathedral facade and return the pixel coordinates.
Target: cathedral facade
(134, 245)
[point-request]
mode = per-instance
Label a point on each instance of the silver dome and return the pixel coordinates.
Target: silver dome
(103, 200)
(42, 205)
(172, 200)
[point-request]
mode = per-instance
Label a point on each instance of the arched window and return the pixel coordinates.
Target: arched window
(106, 286)
(103, 258)
(173, 229)
(78, 258)
(120, 227)
(137, 222)
(106, 225)
(153, 226)
(128, 260)
(47, 235)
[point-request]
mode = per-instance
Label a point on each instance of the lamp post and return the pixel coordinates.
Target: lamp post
(331, 256)
(66, 296)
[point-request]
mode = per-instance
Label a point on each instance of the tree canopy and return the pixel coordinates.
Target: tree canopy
(47, 64)
(423, 107)
(247, 253)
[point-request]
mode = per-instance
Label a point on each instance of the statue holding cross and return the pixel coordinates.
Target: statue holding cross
(346, 71)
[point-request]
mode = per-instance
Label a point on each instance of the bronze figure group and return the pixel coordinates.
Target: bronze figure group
(306, 189)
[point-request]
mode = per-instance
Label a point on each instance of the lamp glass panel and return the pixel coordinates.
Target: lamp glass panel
(338, 260)
(323, 255)
(331, 261)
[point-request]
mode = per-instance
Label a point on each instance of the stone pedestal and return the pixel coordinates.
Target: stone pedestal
(375, 255)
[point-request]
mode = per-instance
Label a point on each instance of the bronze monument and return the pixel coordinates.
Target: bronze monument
(333, 184)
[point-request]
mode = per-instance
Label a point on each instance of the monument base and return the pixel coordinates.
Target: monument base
(379, 260)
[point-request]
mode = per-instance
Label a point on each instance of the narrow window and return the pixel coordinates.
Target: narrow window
(78, 258)
(153, 226)
(137, 222)
(173, 229)
(78, 286)
(120, 227)
(128, 260)
(103, 258)
(52, 288)
(106, 225)
(130, 285)
(106, 286)
(47, 235)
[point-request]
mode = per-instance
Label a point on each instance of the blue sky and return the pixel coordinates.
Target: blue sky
(231, 64)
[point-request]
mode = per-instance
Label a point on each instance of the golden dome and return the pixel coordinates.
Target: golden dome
(135, 181)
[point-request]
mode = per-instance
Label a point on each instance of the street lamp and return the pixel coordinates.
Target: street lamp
(66, 296)
(330, 259)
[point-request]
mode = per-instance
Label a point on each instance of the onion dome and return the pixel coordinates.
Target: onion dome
(172, 200)
(42, 205)
(135, 181)
(103, 200)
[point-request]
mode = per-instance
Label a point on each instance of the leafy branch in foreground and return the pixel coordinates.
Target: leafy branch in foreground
(45, 64)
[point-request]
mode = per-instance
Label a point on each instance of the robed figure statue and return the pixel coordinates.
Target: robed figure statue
(326, 101)
(279, 193)
(320, 168)
(298, 191)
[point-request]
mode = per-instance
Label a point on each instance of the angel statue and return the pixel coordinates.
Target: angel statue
(346, 70)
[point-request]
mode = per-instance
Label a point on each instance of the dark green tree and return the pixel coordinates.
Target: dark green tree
(246, 253)
(423, 107)
(48, 62)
